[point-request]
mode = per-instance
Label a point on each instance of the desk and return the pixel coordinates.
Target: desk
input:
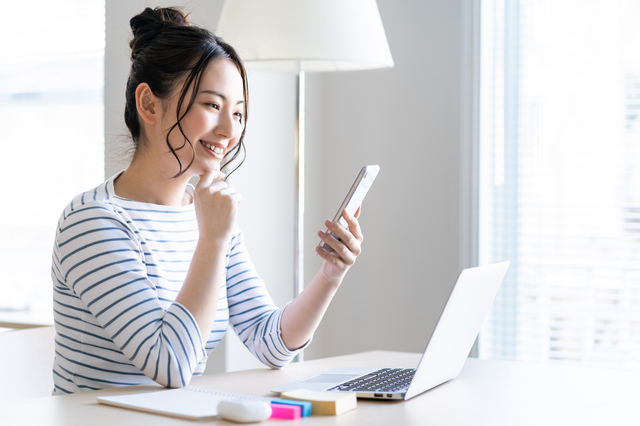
(26, 360)
(485, 393)
(40, 314)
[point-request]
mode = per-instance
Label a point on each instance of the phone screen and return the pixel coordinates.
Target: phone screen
(354, 197)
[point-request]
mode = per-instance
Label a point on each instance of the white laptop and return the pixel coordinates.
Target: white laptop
(444, 356)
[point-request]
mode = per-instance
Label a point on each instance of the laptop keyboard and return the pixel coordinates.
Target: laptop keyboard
(382, 380)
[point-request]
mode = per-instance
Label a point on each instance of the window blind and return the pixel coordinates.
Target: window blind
(52, 133)
(560, 179)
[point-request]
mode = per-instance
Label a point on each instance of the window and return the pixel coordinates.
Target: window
(560, 179)
(52, 114)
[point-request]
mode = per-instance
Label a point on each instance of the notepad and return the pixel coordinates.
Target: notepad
(324, 403)
(188, 403)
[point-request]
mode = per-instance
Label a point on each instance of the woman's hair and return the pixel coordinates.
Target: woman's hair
(166, 49)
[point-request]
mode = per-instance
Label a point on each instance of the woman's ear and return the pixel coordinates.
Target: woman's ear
(147, 104)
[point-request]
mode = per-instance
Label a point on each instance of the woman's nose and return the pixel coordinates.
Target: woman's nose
(225, 126)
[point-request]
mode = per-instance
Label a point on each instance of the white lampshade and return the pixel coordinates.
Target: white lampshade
(306, 35)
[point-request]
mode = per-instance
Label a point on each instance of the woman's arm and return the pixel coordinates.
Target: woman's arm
(98, 259)
(302, 316)
(216, 209)
(252, 313)
(104, 299)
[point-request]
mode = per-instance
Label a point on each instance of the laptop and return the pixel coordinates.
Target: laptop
(444, 356)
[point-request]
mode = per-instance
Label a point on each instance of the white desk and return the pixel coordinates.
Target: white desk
(40, 314)
(26, 360)
(486, 393)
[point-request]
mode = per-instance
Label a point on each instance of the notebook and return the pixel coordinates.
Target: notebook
(444, 355)
(188, 403)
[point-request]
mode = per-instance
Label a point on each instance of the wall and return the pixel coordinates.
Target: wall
(407, 119)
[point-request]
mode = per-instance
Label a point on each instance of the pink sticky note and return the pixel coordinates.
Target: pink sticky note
(281, 411)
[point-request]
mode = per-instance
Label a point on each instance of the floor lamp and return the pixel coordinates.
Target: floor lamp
(305, 36)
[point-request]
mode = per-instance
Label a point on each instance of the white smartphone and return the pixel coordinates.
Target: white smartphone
(354, 198)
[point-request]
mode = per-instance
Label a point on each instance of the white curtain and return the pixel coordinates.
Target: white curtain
(560, 179)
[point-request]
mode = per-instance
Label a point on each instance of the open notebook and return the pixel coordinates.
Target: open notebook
(187, 403)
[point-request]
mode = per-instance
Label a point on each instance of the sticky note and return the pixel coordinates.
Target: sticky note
(304, 405)
(282, 411)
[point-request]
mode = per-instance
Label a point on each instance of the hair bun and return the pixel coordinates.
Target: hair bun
(150, 23)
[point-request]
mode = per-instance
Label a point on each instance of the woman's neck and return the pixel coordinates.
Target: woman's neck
(146, 182)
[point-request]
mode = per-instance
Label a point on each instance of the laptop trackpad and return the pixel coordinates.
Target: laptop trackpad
(330, 378)
(325, 380)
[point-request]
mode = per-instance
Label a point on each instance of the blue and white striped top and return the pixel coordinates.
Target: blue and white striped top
(117, 268)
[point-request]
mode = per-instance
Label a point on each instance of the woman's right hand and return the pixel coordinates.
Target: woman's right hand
(216, 207)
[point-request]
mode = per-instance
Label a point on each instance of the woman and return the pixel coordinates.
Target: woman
(148, 271)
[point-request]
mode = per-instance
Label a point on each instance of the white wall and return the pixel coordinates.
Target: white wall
(407, 119)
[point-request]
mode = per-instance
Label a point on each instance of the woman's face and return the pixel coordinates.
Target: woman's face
(215, 121)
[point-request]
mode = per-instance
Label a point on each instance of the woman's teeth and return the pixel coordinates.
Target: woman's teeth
(214, 148)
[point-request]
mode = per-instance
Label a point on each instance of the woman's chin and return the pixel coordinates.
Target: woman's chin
(200, 168)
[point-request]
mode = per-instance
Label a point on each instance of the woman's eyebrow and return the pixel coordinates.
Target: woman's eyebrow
(224, 98)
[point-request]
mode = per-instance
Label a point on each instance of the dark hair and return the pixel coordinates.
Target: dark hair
(165, 49)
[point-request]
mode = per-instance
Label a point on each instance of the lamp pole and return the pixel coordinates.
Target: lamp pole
(298, 231)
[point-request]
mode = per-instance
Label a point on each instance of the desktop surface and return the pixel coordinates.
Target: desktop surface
(485, 393)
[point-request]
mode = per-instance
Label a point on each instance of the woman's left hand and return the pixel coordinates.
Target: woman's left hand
(337, 264)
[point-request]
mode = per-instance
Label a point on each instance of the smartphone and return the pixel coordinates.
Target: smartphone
(354, 198)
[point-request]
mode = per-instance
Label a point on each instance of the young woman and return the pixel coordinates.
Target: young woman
(148, 271)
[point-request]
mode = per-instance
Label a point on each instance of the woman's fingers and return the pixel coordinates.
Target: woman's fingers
(236, 197)
(348, 247)
(351, 237)
(339, 248)
(340, 251)
(329, 257)
(342, 233)
(354, 225)
(208, 177)
(218, 185)
(216, 206)
(357, 214)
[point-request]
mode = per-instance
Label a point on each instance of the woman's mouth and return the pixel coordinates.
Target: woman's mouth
(219, 152)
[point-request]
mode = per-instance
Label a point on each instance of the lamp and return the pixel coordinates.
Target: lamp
(305, 36)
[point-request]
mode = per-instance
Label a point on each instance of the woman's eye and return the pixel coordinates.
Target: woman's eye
(239, 115)
(214, 106)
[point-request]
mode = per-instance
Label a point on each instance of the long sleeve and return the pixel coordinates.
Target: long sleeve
(252, 313)
(105, 297)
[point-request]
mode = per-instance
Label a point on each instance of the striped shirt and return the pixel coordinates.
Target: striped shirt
(117, 268)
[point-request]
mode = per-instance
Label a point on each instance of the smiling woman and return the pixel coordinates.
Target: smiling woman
(166, 52)
(148, 271)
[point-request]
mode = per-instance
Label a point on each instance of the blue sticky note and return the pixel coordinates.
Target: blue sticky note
(305, 406)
